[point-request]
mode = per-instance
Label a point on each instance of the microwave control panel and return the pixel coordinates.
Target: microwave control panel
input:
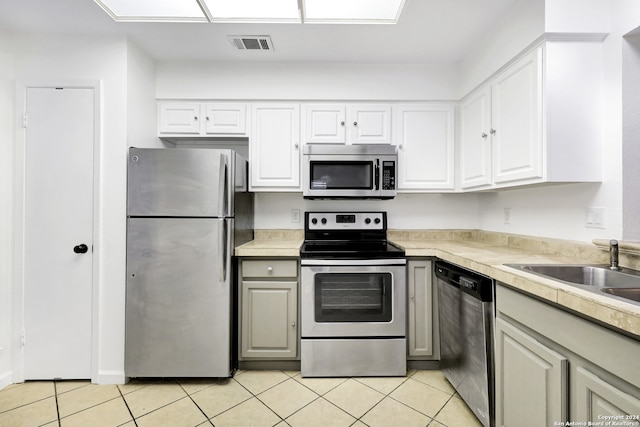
(388, 175)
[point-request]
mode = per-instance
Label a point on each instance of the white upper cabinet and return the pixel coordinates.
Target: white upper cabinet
(537, 121)
(196, 119)
(347, 124)
(179, 118)
(225, 119)
(517, 120)
(325, 123)
(424, 134)
(274, 148)
(475, 140)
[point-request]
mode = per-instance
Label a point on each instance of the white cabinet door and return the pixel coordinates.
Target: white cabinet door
(475, 140)
(517, 121)
(325, 123)
(274, 148)
(531, 380)
(369, 124)
(225, 119)
(425, 139)
(179, 118)
(423, 326)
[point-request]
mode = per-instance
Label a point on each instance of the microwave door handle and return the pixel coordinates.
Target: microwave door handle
(377, 174)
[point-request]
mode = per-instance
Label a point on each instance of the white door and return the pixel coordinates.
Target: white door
(58, 222)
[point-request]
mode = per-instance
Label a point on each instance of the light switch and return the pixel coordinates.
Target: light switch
(596, 217)
(295, 215)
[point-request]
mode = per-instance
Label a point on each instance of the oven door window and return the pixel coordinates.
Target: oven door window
(353, 297)
(341, 175)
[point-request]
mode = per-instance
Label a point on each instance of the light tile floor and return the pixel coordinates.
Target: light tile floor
(251, 398)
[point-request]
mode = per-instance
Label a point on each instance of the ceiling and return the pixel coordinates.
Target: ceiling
(428, 31)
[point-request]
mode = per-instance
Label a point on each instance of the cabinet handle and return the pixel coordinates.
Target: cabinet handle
(293, 324)
(401, 146)
(492, 131)
(411, 297)
(342, 123)
(207, 118)
(269, 269)
(484, 135)
(195, 118)
(355, 123)
(296, 145)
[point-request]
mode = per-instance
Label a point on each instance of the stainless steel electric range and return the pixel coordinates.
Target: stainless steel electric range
(353, 297)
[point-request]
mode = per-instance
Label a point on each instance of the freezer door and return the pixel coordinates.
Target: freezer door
(178, 306)
(180, 182)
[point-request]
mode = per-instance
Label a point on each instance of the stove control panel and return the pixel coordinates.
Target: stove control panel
(346, 221)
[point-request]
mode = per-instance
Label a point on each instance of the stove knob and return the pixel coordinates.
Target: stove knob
(367, 220)
(314, 221)
(377, 220)
(324, 221)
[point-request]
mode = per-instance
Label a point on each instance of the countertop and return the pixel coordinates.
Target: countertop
(486, 253)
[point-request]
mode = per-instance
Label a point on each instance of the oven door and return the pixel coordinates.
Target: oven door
(353, 300)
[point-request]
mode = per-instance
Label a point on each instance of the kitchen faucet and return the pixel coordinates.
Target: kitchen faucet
(613, 255)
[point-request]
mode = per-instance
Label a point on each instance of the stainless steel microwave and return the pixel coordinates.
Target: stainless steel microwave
(349, 171)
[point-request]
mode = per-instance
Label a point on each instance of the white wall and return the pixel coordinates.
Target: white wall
(141, 99)
(627, 13)
(406, 211)
(518, 28)
(578, 16)
(278, 81)
(7, 90)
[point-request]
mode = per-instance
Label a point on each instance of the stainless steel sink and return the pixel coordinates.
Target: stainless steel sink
(586, 275)
(623, 283)
(628, 293)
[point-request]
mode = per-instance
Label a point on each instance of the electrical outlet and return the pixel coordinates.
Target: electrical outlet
(507, 215)
(596, 217)
(295, 215)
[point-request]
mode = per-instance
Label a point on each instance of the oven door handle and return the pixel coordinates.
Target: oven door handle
(377, 174)
(353, 262)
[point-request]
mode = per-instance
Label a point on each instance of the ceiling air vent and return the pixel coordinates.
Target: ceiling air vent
(255, 43)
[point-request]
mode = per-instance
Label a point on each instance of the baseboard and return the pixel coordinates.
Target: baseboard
(110, 377)
(6, 378)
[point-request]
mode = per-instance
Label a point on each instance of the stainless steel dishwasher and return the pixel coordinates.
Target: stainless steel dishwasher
(466, 336)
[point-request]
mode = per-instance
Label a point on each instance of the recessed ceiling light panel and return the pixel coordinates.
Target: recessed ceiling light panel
(252, 10)
(353, 11)
(153, 10)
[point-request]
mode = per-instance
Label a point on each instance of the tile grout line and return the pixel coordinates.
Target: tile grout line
(55, 393)
(127, 405)
(256, 396)
(195, 403)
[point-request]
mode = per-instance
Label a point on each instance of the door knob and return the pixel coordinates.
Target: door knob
(81, 248)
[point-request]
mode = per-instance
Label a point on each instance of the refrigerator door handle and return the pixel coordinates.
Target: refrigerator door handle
(223, 180)
(223, 250)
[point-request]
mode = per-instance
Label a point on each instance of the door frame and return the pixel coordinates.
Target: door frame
(19, 213)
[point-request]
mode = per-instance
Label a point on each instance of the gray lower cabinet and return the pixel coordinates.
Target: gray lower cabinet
(422, 339)
(553, 366)
(268, 309)
(531, 379)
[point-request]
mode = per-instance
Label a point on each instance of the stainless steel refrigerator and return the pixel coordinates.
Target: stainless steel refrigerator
(186, 209)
